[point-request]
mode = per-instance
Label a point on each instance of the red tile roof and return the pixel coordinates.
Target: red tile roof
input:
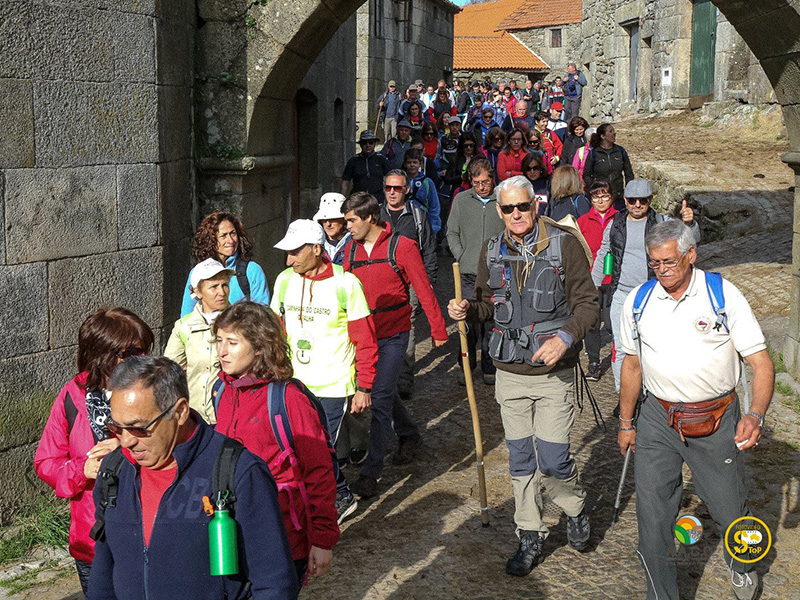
(479, 45)
(484, 18)
(493, 52)
(543, 13)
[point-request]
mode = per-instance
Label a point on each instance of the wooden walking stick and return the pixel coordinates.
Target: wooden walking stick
(473, 406)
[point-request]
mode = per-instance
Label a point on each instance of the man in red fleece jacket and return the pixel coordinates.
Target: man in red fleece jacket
(367, 256)
(330, 332)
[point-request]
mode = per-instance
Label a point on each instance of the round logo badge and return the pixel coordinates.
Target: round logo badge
(688, 529)
(703, 324)
(748, 539)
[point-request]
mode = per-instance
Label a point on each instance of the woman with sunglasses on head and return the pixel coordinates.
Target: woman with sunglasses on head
(253, 353)
(509, 162)
(222, 236)
(608, 160)
(75, 437)
(441, 105)
(535, 171)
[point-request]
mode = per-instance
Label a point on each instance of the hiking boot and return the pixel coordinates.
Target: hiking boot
(364, 486)
(346, 505)
(406, 449)
(578, 531)
(488, 378)
(527, 556)
(745, 585)
(593, 372)
(358, 456)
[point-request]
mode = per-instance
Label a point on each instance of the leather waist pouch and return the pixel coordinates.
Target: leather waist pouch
(697, 419)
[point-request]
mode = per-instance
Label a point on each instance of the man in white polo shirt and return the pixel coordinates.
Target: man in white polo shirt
(330, 332)
(686, 357)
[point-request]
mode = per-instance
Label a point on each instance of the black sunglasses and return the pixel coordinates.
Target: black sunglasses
(508, 209)
(642, 201)
(139, 431)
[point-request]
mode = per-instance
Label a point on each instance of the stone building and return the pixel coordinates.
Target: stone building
(651, 55)
(402, 40)
(123, 123)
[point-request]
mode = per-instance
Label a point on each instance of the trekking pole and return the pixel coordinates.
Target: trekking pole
(621, 483)
(473, 406)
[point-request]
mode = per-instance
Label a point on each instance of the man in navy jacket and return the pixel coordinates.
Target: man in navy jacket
(156, 542)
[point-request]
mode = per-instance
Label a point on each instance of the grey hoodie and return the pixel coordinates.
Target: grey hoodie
(470, 225)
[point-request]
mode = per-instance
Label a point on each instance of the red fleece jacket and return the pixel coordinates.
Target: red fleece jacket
(384, 288)
(243, 415)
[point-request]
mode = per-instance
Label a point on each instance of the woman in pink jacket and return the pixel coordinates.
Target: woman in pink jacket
(75, 438)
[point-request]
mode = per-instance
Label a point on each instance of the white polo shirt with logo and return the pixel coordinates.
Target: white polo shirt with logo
(315, 314)
(684, 359)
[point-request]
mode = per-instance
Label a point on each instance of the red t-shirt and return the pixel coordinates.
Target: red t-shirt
(154, 484)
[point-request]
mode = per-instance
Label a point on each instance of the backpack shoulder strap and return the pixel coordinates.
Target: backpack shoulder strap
(70, 411)
(717, 297)
(341, 291)
(391, 255)
(216, 393)
(640, 302)
(241, 276)
(279, 415)
(224, 470)
(108, 482)
(352, 255)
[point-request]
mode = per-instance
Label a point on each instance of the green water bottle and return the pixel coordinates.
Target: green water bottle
(608, 264)
(222, 545)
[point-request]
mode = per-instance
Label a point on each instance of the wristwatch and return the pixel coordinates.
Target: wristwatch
(757, 416)
(364, 390)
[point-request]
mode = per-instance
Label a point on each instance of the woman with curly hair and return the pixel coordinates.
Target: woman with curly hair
(75, 438)
(222, 236)
(254, 354)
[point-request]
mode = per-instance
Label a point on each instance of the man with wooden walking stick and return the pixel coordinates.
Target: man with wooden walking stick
(533, 280)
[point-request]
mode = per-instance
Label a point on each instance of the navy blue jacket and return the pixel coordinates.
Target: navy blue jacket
(176, 563)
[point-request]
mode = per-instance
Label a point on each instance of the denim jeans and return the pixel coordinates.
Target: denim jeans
(335, 408)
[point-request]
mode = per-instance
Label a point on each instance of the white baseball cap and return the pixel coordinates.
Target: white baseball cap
(206, 270)
(330, 206)
(300, 233)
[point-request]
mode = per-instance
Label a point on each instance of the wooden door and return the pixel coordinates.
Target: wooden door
(704, 43)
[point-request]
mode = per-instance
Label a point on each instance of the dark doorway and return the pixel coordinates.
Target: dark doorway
(633, 75)
(704, 44)
(306, 150)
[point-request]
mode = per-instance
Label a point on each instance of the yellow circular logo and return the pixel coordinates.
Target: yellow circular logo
(748, 539)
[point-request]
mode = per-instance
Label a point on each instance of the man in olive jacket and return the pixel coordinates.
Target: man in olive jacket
(473, 220)
(534, 281)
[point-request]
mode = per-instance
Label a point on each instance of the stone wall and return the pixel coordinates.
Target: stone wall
(497, 76)
(540, 41)
(427, 56)
(666, 42)
(97, 195)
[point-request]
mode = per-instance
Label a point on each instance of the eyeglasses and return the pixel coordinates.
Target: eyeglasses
(394, 188)
(469, 145)
(633, 201)
(481, 182)
(669, 263)
(139, 431)
(530, 169)
(508, 209)
(428, 134)
(601, 197)
(132, 351)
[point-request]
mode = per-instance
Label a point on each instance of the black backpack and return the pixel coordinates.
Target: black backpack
(391, 258)
(241, 276)
(221, 480)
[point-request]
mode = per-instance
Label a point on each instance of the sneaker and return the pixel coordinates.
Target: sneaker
(364, 486)
(578, 531)
(527, 556)
(346, 505)
(406, 449)
(488, 378)
(593, 372)
(745, 585)
(358, 456)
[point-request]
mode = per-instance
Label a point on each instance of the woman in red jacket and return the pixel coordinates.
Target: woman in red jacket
(592, 225)
(253, 352)
(75, 438)
(509, 163)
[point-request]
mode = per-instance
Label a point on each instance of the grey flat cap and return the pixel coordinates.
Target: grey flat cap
(638, 188)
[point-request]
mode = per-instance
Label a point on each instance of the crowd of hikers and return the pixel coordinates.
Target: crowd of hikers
(266, 392)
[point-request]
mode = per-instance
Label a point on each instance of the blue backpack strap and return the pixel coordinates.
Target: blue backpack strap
(640, 302)
(717, 298)
(216, 393)
(276, 398)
